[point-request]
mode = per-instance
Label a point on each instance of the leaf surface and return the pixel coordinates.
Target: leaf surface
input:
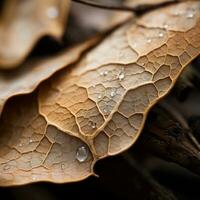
(28, 76)
(102, 101)
(32, 150)
(109, 93)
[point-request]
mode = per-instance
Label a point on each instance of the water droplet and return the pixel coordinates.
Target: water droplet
(62, 166)
(190, 15)
(176, 13)
(149, 40)
(121, 75)
(165, 25)
(52, 12)
(160, 34)
(105, 110)
(20, 145)
(112, 93)
(6, 167)
(104, 73)
(82, 154)
(34, 177)
(134, 44)
(30, 140)
(92, 124)
(99, 96)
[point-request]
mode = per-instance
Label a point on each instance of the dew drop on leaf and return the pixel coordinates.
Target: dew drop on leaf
(166, 25)
(52, 12)
(190, 15)
(82, 154)
(121, 75)
(161, 35)
(112, 93)
(105, 110)
(103, 73)
(63, 166)
(148, 40)
(92, 124)
(34, 177)
(99, 96)
(176, 13)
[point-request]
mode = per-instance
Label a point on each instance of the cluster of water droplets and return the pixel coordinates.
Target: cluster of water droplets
(82, 151)
(189, 14)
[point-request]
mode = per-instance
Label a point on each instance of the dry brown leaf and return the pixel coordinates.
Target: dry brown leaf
(31, 150)
(28, 76)
(108, 94)
(23, 23)
(103, 100)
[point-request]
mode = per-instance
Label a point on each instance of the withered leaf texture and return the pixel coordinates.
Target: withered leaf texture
(102, 101)
(32, 150)
(105, 98)
(23, 23)
(28, 76)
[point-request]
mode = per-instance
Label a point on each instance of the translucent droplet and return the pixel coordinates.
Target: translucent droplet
(30, 140)
(52, 12)
(112, 93)
(134, 45)
(104, 73)
(190, 15)
(165, 25)
(149, 40)
(176, 13)
(82, 154)
(34, 177)
(160, 34)
(20, 145)
(62, 166)
(121, 75)
(99, 96)
(92, 124)
(105, 110)
(6, 167)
